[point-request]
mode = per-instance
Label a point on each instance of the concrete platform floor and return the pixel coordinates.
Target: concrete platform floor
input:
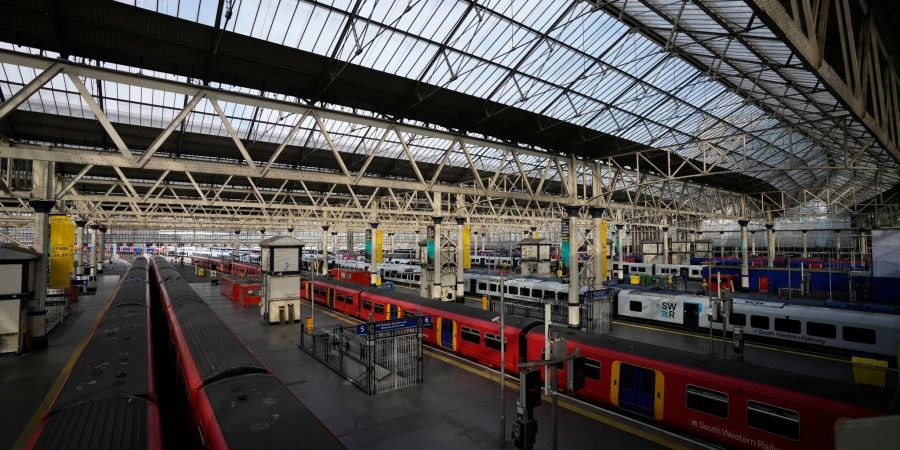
(456, 408)
(27, 380)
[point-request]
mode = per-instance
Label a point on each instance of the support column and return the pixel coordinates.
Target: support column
(627, 242)
(599, 246)
(236, 253)
(620, 272)
(92, 269)
(36, 311)
(460, 256)
(837, 244)
(770, 235)
(745, 261)
(436, 276)
(474, 242)
(573, 303)
(349, 241)
(722, 244)
(391, 243)
(805, 251)
(101, 248)
(665, 239)
(334, 246)
(373, 261)
(752, 243)
(324, 269)
(79, 248)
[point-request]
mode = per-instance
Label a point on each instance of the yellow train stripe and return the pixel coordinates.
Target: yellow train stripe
(63, 376)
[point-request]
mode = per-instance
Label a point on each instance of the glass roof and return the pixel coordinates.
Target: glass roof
(754, 105)
(573, 62)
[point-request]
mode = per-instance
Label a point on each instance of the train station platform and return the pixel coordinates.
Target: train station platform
(30, 381)
(456, 407)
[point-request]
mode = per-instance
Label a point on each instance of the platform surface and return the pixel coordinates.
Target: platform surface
(27, 379)
(457, 407)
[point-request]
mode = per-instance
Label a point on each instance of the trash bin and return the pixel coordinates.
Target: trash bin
(635, 279)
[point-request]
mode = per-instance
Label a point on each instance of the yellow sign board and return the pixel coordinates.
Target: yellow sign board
(379, 246)
(62, 251)
(604, 276)
(467, 247)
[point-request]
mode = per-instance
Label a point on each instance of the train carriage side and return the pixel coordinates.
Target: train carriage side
(731, 404)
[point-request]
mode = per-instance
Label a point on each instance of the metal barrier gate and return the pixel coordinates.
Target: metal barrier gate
(376, 357)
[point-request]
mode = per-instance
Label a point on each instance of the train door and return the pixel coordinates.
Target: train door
(691, 314)
(329, 296)
(637, 389)
(473, 283)
(447, 330)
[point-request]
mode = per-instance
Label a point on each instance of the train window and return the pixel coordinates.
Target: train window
(761, 322)
(471, 335)
(493, 288)
(492, 341)
(635, 306)
(417, 277)
(773, 419)
(549, 295)
(379, 308)
(482, 286)
(787, 325)
(707, 401)
(367, 304)
(823, 330)
(861, 335)
(537, 293)
(592, 369)
(737, 319)
(409, 314)
(513, 290)
(525, 292)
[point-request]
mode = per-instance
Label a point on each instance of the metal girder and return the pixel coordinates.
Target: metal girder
(868, 83)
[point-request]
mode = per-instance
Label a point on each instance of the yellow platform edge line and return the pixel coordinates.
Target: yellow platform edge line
(63, 374)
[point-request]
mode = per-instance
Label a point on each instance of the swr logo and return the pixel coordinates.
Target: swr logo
(668, 310)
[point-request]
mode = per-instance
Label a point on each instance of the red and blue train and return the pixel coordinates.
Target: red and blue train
(726, 402)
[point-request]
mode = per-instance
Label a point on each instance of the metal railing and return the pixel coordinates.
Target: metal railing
(375, 362)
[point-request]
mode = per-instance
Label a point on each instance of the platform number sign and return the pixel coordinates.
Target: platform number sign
(362, 329)
(427, 321)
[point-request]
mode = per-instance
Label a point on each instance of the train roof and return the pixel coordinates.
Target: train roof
(865, 396)
(451, 307)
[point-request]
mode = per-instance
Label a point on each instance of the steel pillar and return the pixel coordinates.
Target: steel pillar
(460, 255)
(620, 272)
(101, 249)
(236, 253)
(573, 303)
(665, 239)
(770, 235)
(599, 246)
(92, 270)
(436, 276)
(373, 260)
(745, 261)
(79, 248)
(805, 251)
(324, 270)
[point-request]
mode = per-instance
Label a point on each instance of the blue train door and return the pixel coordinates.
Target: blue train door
(447, 333)
(636, 389)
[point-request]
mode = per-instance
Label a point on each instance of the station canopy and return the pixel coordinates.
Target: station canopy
(691, 94)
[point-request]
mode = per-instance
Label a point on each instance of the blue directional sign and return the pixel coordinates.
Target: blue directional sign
(385, 326)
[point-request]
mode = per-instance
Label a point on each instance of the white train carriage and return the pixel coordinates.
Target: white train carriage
(856, 331)
(534, 290)
(693, 272)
